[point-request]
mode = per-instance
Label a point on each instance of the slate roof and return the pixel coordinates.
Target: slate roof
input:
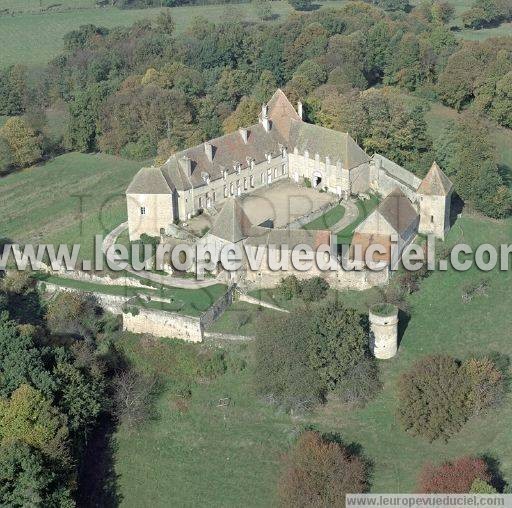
(232, 223)
(286, 130)
(398, 211)
(327, 142)
(149, 181)
(435, 183)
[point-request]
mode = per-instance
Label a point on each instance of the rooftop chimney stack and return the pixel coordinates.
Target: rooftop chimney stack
(244, 133)
(208, 150)
(264, 118)
(299, 110)
(186, 164)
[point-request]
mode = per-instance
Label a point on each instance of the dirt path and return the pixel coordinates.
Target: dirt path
(351, 214)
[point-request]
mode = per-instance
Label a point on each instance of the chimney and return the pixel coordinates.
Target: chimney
(208, 150)
(264, 118)
(299, 110)
(186, 164)
(244, 133)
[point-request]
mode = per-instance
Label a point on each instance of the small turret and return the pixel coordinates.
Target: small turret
(435, 194)
(383, 330)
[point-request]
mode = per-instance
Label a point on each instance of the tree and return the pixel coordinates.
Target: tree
(314, 289)
(165, 23)
(30, 418)
(263, 9)
(27, 478)
(246, 114)
(265, 87)
(433, 398)
(23, 142)
(132, 402)
(20, 359)
(5, 156)
(480, 486)
(13, 90)
(457, 476)
(301, 5)
(317, 472)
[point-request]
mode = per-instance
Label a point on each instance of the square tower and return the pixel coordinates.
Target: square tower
(435, 194)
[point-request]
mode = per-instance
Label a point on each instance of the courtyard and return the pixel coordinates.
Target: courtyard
(281, 202)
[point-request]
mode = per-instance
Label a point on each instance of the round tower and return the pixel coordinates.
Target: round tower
(383, 330)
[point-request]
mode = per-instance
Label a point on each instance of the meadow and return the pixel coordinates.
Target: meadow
(70, 199)
(230, 456)
(33, 38)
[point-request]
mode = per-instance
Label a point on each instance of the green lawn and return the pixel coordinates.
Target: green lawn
(328, 219)
(191, 302)
(365, 208)
(67, 200)
(230, 457)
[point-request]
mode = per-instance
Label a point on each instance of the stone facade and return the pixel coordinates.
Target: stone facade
(149, 213)
(435, 215)
(384, 334)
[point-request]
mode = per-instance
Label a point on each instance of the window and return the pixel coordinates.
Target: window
(275, 172)
(431, 218)
(283, 169)
(232, 188)
(245, 183)
(143, 210)
(214, 197)
(225, 191)
(262, 177)
(252, 181)
(200, 202)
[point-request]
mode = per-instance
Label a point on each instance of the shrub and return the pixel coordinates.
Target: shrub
(289, 287)
(453, 477)
(487, 384)
(314, 289)
(480, 486)
(439, 394)
(433, 398)
(303, 355)
(317, 472)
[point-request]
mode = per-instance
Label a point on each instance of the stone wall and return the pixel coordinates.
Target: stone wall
(217, 309)
(111, 303)
(385, 176)
(164, 324)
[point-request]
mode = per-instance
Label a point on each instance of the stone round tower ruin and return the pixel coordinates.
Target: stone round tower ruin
(383, 330)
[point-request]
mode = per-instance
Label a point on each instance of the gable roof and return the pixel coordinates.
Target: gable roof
(398, 211)
(232, 223)
(281, 112)
(227, 150)
(435, 183)
(339, 146)
(149, 181)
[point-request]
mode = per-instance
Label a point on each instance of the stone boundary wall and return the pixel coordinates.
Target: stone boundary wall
(111, 303)
(255, 301)
(311, 216)
(214, 336)
(218, 308)
(164, 324)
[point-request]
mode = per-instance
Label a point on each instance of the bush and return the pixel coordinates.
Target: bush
(289, 287)
(314, 289)
(439, 394)
(453, 477)
(433, 398)
(317, 472)
(303, 355)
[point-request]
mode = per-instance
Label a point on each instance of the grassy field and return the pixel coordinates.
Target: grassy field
(34, 39)
(67, 200)
(191, 302)
(328, 219)
(365, 209)
(230, 456)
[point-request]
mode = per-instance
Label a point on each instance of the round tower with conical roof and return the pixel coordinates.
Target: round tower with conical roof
(435, 194)
(383, 330)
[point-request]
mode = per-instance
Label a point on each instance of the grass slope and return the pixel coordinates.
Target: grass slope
(328, 219)
(215, 457)
(67, 200)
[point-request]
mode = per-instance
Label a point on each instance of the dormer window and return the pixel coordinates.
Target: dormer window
(237, 167)
(269, 157)
(225, 174)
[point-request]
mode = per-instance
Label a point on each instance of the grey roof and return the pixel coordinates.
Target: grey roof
(435, 183)
(398, 211)
(227, 150)
(327, 142)
(149, 181)
(232, 223)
